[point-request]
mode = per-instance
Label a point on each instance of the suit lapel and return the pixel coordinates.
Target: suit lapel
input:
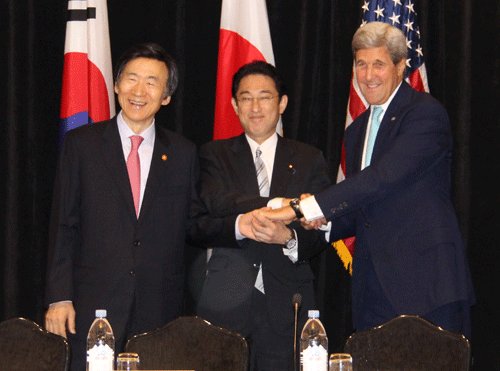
(391, 116)
(159, 164)
(113, 157)
(244, 165)
(283, 169)
(354, 155)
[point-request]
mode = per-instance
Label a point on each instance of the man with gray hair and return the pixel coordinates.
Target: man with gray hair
(409, 256)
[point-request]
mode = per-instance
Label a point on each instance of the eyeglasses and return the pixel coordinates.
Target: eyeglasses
(264, 100)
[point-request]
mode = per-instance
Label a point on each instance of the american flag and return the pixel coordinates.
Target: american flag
(400, 14)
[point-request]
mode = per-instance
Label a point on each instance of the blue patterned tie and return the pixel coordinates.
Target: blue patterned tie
(372, 135)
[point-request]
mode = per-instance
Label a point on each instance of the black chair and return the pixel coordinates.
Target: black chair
(24, 345)
(190, 343)
(408, 342)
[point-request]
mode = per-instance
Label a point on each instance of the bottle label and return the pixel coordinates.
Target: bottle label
(314, 358)
(100, 358)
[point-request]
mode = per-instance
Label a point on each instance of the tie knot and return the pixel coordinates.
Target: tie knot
(258, 152)
(376, 113)
(136, 141)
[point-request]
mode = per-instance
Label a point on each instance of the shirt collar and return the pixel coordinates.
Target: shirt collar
(125, 132)
(266, 147)
(387, 102)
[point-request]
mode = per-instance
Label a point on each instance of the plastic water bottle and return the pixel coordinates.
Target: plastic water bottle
(313, 344)
(100, 344)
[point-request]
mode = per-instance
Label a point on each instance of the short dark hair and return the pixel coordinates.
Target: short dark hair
(258, 68)
(151, 51)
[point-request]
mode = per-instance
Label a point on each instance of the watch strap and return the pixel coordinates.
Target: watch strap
(295, 205)
(292, 241)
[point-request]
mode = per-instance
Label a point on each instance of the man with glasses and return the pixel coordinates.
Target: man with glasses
(249, 285)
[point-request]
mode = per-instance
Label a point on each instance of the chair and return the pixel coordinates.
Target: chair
(408, 342)
(24, 345)
(190, 343)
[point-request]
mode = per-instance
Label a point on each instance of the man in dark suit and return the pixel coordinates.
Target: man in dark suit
(249, 285)
(409, 256)
(117, 244)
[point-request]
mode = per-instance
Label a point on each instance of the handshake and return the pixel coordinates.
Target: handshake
(270, 225)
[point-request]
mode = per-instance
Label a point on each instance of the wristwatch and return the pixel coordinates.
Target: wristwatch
(295, 204)
(292, 241)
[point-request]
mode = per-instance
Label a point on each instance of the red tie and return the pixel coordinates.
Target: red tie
(134, 170)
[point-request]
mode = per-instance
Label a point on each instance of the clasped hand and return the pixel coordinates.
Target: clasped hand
(257, 226)
(284, 215)
(270, 225)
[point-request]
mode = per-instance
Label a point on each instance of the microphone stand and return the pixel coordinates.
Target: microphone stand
(296, 301)
(296, 308)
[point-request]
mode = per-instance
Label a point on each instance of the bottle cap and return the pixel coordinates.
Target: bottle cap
(312, 313)
(101, 313)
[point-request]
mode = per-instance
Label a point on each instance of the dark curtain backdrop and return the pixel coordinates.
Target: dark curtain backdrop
(311, 41)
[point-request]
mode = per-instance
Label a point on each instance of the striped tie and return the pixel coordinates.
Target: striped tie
(262, 179)
(263, 182)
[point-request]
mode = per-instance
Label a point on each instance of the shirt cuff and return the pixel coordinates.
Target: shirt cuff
(237, 233)
(327, 228)
(310, 209)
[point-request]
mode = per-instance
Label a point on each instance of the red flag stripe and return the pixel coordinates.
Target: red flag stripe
(234, 51)
(356, 104)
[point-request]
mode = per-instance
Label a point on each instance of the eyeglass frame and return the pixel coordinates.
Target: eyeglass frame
(262, 100)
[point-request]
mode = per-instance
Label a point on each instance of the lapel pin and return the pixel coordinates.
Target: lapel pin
(393, 118)
(164, 157)
(291, 169)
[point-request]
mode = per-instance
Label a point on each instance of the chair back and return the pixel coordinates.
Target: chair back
(24, 345)
(190, 343)
(408, 342)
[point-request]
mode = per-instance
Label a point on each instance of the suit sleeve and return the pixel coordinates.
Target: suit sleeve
(64, 237)
(420, 144)
(215, 216)
(220, 201)
(313, 242)
(217, 185)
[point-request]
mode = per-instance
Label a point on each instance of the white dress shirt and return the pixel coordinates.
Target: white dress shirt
(268, 148)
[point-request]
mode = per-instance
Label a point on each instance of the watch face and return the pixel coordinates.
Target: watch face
(291, 243)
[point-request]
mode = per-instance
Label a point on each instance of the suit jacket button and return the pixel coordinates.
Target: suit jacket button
(367, 225)
(137, 243)
(132, 273)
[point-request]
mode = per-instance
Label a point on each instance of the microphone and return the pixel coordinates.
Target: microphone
(296, 301)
